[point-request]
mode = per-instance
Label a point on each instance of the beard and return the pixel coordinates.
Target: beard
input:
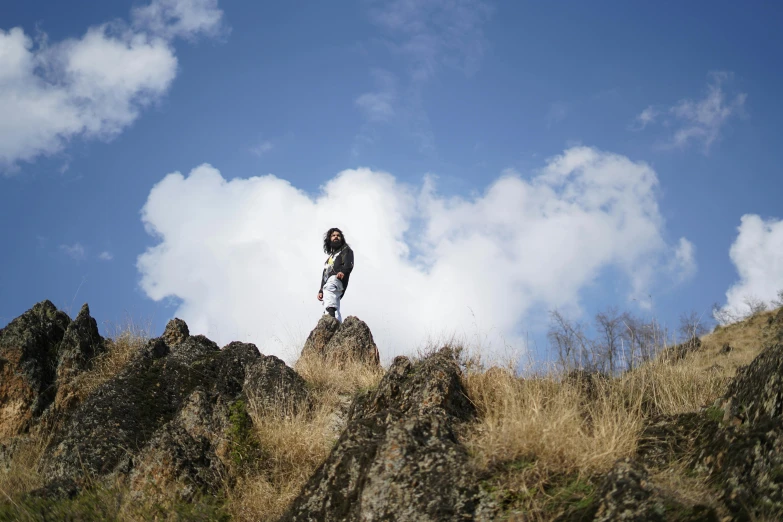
(337, 244)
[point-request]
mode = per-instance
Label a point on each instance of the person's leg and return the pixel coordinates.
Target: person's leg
(333, 291)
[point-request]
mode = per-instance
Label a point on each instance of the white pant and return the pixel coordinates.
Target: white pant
(333, 291)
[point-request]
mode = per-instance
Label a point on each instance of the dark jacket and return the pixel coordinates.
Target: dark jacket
(342, 263)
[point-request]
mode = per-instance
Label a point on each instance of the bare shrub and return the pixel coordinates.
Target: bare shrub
(755, 305)
(692, 326)
(778, 301)
(22, 474)
(573, 347)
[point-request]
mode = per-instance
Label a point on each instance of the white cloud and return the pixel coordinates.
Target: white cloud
(105, 256)
(243, 256)
(179, 18)
(757, 253)
(262, 148)
(75, 251)
(684, 261)
(698, 121)
(91, 87)
(647, 116)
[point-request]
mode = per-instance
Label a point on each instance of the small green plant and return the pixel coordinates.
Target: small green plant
(244, 446)
(714, 413)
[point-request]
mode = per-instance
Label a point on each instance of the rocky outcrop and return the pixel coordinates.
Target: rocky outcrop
(319, 337)
(125, 413)
(176, 332)
(28, 366)
(187, 456)
(271, 384)
(80, 345)
(737, 443)
(757, 390)
(349, 341)
(398, 457)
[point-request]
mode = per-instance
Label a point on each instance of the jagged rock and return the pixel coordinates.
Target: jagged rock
(191, 349)
(757, 389)
(81, 343)
(742, 453)
(28, 364)
(350, 341)
(176, 332)
(746, 462)
(628, 494)
(353, 341)
(123, 414)
(320, 336)
(188, 456)
(726, 348)
(270, 383)
(398, 457)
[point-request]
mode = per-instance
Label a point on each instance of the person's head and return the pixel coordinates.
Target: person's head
(333, 240)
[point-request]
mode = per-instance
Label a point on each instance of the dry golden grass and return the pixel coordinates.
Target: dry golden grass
(550, 422)
(545, 438)
(671, 387)
(22, 474)
(295, 441)
(127, 341)
(746, 338)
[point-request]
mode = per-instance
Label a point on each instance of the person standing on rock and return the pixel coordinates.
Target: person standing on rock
(337, 270)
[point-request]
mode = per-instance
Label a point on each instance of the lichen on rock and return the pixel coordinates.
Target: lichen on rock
(399, 457)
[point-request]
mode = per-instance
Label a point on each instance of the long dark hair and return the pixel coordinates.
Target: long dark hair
(328, 242)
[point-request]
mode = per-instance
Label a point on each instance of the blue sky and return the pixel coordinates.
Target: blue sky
(489, 161)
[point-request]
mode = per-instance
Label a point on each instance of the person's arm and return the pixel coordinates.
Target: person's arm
(346, 263)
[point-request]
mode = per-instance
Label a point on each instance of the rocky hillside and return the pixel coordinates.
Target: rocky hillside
(181, 431)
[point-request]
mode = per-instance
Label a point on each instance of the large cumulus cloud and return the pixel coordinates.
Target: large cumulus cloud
(243, 256)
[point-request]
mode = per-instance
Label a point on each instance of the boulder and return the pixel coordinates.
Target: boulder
(398, 457)
(320, 336)
(271, 384)
(353, 341)
(28, 365)
(350, 341)
(176, 332)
